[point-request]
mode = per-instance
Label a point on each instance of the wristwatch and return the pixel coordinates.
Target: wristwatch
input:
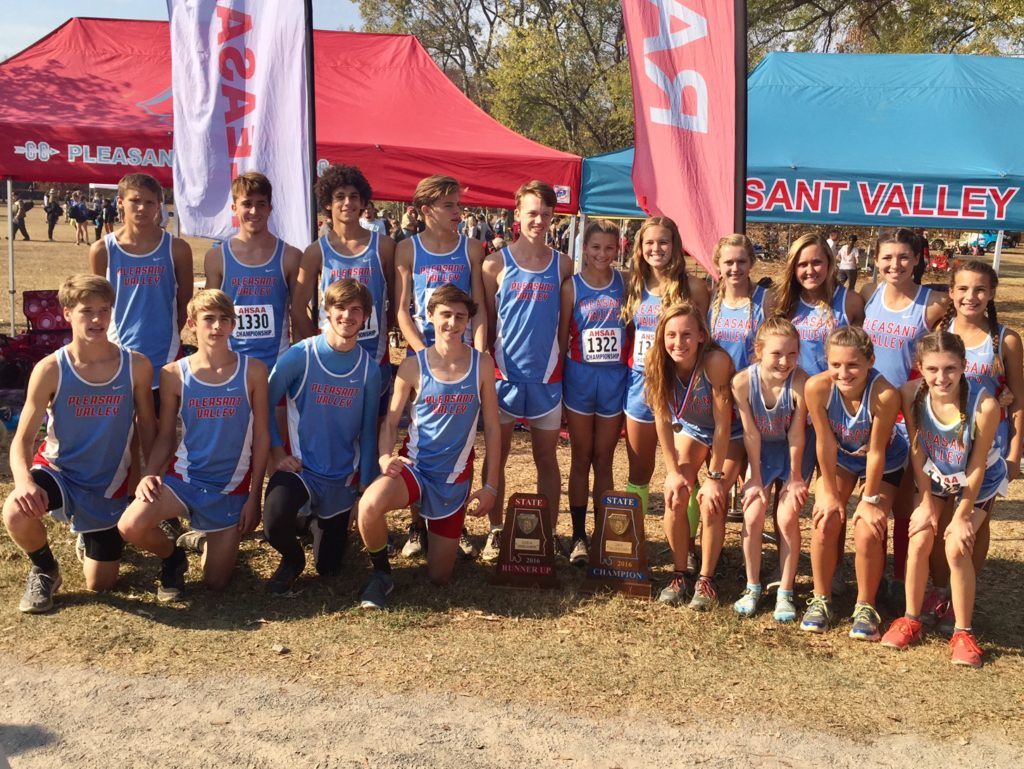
(715, 475)
(871, 499)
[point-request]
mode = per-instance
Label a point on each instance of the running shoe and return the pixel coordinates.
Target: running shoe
(676, 591)
(492, 547)
(39, 589)
(818, 617)
(171, 586)
(902, 633)
(172, 528)
(467, 550)
(376, 591)
(936, 606)
(965, 649)
(193, 541)
(785, 609)
(705, 595)
(746, 606)
(865, 623)
(414, 544)
(579, 554)
(283, 580)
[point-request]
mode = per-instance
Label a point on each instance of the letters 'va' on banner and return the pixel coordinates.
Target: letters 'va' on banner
(239, 86)
(683, 63)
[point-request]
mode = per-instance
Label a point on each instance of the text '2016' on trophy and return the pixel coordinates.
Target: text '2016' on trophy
(527, 555)
(618, 550)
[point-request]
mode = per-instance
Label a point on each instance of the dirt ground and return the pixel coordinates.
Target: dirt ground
(479, 676)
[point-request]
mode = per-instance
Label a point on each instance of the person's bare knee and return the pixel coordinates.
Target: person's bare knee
(101, 577)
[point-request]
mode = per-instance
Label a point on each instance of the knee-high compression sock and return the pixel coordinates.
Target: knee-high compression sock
(330, 536)
(641, 491)
(693, 511)
(578, 514)
(285, 496)
(900, 547)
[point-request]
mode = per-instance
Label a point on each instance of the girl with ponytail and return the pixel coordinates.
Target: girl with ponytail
(951, 421)
(994, 361)
(688, 378)
(897, 313)
(738, 304)
(854, 410)
(657, 280)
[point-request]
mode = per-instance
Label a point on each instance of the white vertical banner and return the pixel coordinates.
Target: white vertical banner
(238, 74)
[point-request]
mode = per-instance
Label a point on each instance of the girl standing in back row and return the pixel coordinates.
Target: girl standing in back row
(591, 335)
(897, 313)
(657, 281)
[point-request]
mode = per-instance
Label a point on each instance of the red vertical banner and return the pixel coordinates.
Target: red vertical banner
(683, 60)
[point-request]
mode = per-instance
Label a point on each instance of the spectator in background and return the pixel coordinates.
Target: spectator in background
(370, 221)
(389, 225)
(96, 215)
(410, 225)
(849, 263)
(109, 215)
(833, 240)
(78, 214)
(924, 255)
(19, 208)
(53, 210)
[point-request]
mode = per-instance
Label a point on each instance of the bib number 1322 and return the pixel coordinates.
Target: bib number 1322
(602, 345)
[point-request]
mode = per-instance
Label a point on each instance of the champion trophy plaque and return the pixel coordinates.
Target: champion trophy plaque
(618, 549)
(527, 555)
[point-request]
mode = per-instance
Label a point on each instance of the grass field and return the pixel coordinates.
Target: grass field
(578, 654)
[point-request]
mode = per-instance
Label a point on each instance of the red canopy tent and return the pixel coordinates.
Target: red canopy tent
(91, 102)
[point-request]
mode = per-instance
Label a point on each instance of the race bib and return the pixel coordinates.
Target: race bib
(642, 342)
(255, 321)
(602, 345)
(370, 329)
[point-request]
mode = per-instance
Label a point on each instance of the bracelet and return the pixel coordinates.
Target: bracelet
(715, 475)
(490, 488)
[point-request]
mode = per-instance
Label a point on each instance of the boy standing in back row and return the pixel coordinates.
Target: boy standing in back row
(257, 270)
(522, 290)
(151, 272)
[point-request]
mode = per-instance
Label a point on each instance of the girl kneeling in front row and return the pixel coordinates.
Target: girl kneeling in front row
(770, 398)
(853, 409)
(952, 424)
(688, 388)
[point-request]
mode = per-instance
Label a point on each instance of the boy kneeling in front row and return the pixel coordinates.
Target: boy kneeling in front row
(333, 390)
(219, 398)
(448, 384)
(95, 394)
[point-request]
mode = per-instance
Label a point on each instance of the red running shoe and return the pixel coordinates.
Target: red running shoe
(902, 633)
(965, 649)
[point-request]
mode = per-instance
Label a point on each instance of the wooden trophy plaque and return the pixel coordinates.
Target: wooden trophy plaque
(527, 555)
(618, 549)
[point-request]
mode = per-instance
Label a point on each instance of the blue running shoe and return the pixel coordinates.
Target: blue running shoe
(375, 594)
(865, 623)
(818, 617)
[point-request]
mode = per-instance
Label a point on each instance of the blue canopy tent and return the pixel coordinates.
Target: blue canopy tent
(888, 139)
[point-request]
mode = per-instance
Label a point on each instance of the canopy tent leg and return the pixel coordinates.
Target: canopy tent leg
(10, 247)
(572, 241)
(997, 257)
(577, 255)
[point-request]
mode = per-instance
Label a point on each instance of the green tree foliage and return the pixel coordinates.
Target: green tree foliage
(557, 70)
